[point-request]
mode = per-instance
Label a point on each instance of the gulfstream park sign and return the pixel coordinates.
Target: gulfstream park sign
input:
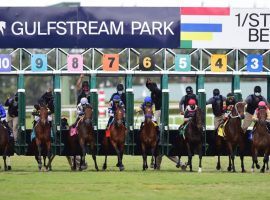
(135, 27)
(89, 27)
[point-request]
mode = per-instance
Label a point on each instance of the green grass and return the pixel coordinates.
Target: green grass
(25, 182)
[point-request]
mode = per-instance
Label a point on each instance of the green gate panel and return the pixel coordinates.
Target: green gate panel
(22, 146)
(236, 87)
(129, 115)
(57, 146)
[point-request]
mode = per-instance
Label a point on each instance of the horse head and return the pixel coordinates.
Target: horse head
(88, 111)
(119, 115)
(239, 110)
(43, 114)
(197, 119)
(148, 114)
(262, 116)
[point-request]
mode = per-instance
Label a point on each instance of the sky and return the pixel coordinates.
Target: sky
(148, 3)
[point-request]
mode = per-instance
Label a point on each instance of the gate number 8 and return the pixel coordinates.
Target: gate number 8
(75, 63)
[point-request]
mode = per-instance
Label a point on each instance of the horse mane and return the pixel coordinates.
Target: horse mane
(199, 117)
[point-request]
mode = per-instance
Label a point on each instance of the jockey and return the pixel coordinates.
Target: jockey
(4, 121)
(120, 92)
(114, 104)
(189, 112)
(230, 102)
(148, 103)
(36, 112)
(185, 99)
(261, 105)
(80, 110)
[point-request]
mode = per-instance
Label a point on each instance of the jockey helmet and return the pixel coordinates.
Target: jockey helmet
(116, 98)
(216, 92)
(120, 87)
(148, 100)
(192, 102)
(189, 90)
(84, 101)
(261, 104)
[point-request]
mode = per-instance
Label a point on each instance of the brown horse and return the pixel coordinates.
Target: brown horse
(43, 136)
(4, 145)
(149, 137)
(193, 138)
(117, 138)
(85, 136)
(260, 141)
(234, 136)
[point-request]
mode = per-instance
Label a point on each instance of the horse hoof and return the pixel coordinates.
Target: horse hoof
(252, 170)
(9, 168)
(243, 171)
(177, 165)
(184, 167)
(200, 170)
(262, 170)
(117, 165)
(122, 168)
(258, 166)
(152, 165)
(104, 167)
(229, 169)
(97, 169)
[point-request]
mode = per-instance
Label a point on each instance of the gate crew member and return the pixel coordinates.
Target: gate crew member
(184, 101)
(120, 92)
(252, 102)
(217, 102)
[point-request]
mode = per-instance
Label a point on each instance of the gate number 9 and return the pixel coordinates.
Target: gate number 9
(39, 63)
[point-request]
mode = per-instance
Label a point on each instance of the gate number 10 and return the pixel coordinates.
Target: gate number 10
(5, 62)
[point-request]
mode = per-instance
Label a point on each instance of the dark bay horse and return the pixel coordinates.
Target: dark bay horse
(85, 136)
(260, 140)
(43, 136)
(117, 137)
(149, 137)
(233, 136)
(193, 138)
(4, 145)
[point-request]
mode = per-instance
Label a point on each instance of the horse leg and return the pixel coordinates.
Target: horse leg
(229, 168)
(253, 158)
(106, 152)
(122, 146)
(82, 144)
(39, 154)
(200, 157)
(189, 157)
(242, 149)
(264, 163)
(218, 146)
(8, 163)
(144, 156)
(256, 159)
(4, 158)
(94, 154)
(154, 155)
(44, 161)
(49, 155)
(118, 152)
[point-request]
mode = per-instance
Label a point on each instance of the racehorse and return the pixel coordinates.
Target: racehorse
(233, 136)
(43, 136)
(149, 137)
(85, 136)
(4, 145)
(260, 141)
(192, 138)
(117, 137)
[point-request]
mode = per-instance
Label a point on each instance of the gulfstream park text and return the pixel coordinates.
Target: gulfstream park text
(92, 28)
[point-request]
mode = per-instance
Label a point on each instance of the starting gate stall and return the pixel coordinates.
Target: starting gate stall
(202, 52)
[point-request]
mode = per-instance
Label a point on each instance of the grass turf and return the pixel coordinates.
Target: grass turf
(25, 182)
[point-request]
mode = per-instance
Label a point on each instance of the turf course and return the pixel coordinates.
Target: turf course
(25, 182)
